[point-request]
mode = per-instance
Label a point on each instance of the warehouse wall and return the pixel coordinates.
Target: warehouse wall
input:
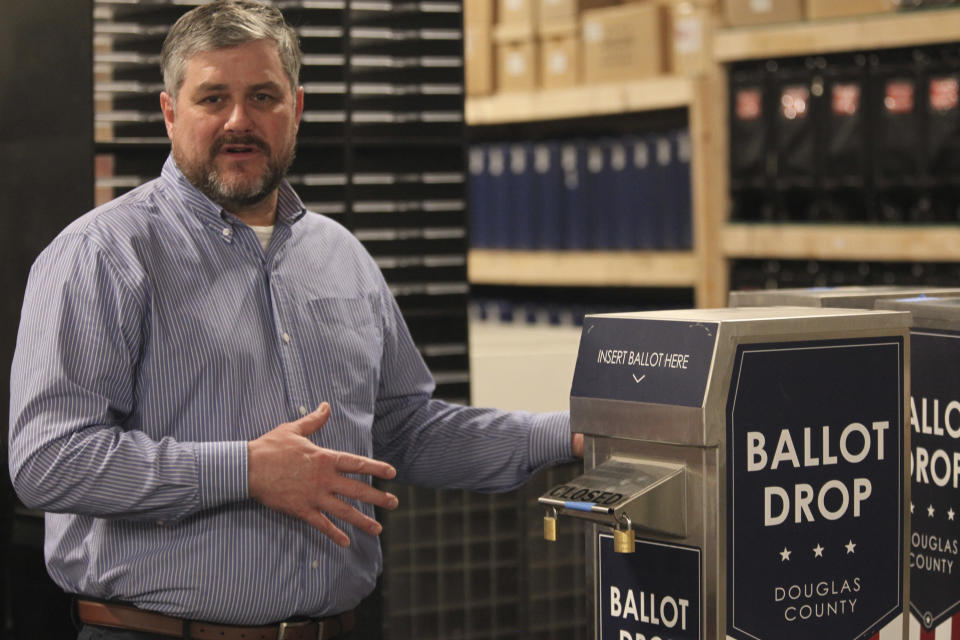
(46, 143)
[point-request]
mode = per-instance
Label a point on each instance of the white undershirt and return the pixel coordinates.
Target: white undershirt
(263, 235)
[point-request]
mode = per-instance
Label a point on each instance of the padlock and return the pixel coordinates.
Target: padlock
(623, 540)
(550, 526)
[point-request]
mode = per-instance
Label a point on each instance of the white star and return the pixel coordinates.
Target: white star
(930, 511)
(951, 513)
(818, 551)
(911, 507)
(785, 554)
(850, 546)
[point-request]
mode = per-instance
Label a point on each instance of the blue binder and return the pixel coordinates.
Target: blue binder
(548, 196)
(521, 225)
(480, 197)
(500, 209)
(575, 211)
(621, 209)
(642, 199)
(684, 193)
(664, 191)
(600, 199)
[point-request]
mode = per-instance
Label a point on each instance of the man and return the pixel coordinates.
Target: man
(167, 334)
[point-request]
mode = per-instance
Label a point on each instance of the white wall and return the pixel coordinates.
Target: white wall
(522, 366)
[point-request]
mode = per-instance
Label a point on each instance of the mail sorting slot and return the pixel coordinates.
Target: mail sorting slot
(745, 473)
(935, 465)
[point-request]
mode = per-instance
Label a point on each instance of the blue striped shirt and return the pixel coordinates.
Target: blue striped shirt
(157, 338)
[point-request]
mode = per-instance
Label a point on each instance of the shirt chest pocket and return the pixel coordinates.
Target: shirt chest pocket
(343, 349)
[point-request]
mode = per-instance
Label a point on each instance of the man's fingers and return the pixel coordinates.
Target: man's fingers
(350, 463)
(289, 473)
(363, 492)
(349, 514)
(576, 444)
(321, 522)
(312, 422)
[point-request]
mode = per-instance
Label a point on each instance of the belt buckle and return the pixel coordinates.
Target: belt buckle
(296, 624)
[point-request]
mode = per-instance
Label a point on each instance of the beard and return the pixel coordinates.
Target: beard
(231, 193)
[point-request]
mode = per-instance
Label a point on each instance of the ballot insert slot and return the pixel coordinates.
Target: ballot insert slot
(625, 494)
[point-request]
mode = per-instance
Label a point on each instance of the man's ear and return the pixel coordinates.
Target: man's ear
(167, 106)
(299, 105)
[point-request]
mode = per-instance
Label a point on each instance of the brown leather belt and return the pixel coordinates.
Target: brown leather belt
(120, 616)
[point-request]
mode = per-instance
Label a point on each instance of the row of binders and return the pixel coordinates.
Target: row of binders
(626, 193)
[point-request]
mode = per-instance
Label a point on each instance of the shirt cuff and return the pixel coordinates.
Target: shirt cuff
(550, 440)
(223, 473)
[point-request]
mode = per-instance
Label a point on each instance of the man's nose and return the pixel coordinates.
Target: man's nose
(239, 119)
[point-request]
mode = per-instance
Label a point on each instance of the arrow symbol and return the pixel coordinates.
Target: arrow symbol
(637, 380)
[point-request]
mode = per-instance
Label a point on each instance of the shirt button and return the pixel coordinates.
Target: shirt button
(303, 410)
(315, 564)
(286, 337)
(227, 232)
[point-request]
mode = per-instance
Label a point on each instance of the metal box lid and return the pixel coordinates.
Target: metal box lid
(853, 297)
(664, 376)
(929, 312)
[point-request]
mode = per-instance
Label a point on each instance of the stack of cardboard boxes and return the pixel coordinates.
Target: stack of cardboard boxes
(749, 12)
(478, 20)
(550, 44)
(529, 45)
(559, 39)
(517, 59)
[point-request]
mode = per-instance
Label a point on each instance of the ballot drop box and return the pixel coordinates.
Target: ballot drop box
(934, 424)
(745, 473)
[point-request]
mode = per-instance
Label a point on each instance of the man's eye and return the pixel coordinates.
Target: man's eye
(211, 100)
(263, 97)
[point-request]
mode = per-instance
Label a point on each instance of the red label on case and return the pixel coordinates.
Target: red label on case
(899, 97)
(749, 104)
(944, 93)
(845, 99)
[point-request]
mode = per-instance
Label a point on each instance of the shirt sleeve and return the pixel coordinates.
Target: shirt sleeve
(73, 382)
(438, 444)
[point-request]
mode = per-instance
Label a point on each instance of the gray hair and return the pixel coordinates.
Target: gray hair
(227, 23)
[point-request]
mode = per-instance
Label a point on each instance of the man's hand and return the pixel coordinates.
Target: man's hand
(288, 473)
(576, 443)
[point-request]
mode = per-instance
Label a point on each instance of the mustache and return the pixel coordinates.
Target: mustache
(247, 141)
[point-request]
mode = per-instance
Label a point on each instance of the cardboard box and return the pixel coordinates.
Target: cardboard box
(568, 11)
(517, 13)
(690, 24)
(746, 12)
(560, 60)
(819, 9)
(517, 66)
(480, 13)
(624, 42)
(478, 60)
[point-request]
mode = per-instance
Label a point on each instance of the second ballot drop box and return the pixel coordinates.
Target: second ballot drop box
(853, 297)
(935, 465)
(745, 473)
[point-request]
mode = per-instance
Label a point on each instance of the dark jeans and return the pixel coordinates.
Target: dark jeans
(90, 632)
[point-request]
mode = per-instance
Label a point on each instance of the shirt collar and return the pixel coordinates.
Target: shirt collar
(290, 207)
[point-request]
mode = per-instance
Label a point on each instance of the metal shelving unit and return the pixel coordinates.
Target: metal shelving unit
(898, 251)
(657, 268)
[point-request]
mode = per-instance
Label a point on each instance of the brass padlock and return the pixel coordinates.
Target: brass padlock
(623, 539)
(550, 526)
